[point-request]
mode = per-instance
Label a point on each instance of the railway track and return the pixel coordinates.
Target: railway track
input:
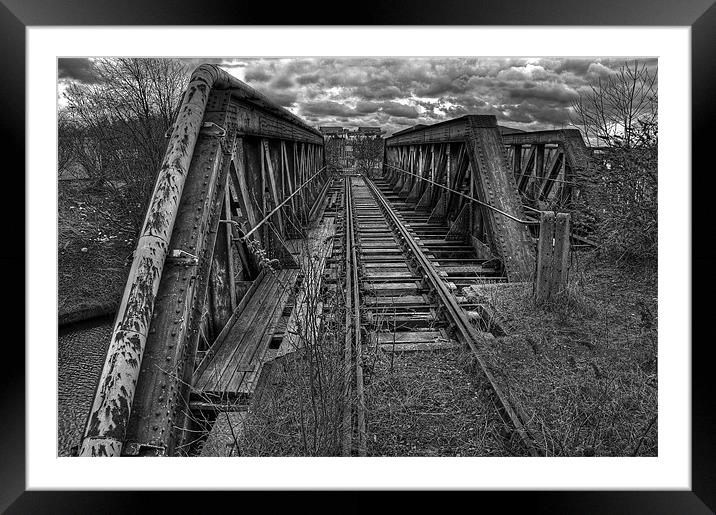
(401, 278)
(248, 227)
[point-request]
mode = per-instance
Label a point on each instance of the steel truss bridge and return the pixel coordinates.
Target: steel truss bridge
(244, 199)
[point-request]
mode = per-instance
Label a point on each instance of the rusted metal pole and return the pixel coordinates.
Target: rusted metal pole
(107, 421)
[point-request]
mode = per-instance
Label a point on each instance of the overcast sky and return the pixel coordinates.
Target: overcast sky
(395, 93)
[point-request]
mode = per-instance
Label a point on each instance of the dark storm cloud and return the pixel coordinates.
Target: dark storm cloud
(365, 107)
(76, 69)
(257, 75)
(283, 98)
(575, 66)
(402, 110)
(378, 92)
(556, 94)
(442, 86)
(327, 108)
(517, 116)
(309, 78)
(282, 82)
(394, 93)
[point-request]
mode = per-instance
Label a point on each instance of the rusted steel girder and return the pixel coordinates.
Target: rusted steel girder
(159, 406)
(106, 428)
(477, 147)
(108, 417)
(572, 155)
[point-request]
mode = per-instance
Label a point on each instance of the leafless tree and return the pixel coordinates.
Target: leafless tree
(67, 139)
(367, 152)
(619, 198)
(618, 108)
(119, 124)
(335, 151)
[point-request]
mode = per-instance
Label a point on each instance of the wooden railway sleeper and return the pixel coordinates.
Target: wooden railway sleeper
(464, 330)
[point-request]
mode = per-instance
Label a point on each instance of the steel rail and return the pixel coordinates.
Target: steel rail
(347, 428)
(356, 328)
(468, 197)
(465, 331)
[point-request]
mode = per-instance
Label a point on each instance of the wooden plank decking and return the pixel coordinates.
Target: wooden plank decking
(230, 372)
(305, 320)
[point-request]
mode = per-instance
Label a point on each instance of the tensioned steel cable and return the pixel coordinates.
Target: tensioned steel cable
(465, 330)
(265, 218)
(468, 197)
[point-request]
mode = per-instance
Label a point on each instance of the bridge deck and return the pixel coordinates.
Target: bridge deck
(305, 320)
(231, 372)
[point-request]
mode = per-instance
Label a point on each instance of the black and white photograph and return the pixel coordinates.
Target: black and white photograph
(456, 248)
(357, 256)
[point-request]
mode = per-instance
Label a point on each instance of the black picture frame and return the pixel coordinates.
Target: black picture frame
(700, 15)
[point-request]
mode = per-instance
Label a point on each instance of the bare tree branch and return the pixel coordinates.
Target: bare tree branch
(115, 128)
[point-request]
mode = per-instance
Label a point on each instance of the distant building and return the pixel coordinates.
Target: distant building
(370, 130)
(340, 142)
(330, 130)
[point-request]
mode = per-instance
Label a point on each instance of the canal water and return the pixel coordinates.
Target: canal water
(82, 348)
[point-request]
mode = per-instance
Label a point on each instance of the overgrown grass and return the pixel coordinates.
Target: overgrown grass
(433, 403)
(584, 368)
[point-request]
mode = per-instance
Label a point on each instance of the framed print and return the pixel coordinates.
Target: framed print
(429, 248)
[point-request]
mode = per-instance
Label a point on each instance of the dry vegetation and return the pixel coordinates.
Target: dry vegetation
(298, 405)
(111, 135)
(584, 369)
(433, 403)
(94, 250)
(298, 412)
(619, 193)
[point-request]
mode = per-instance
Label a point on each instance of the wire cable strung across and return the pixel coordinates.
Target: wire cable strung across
(468, 197)
(268, 216)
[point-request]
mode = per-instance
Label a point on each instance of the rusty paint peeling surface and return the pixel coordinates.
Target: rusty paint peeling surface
(102, 448)
(160, 394)
(497, 186)
(111, 416)
(111, 407)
